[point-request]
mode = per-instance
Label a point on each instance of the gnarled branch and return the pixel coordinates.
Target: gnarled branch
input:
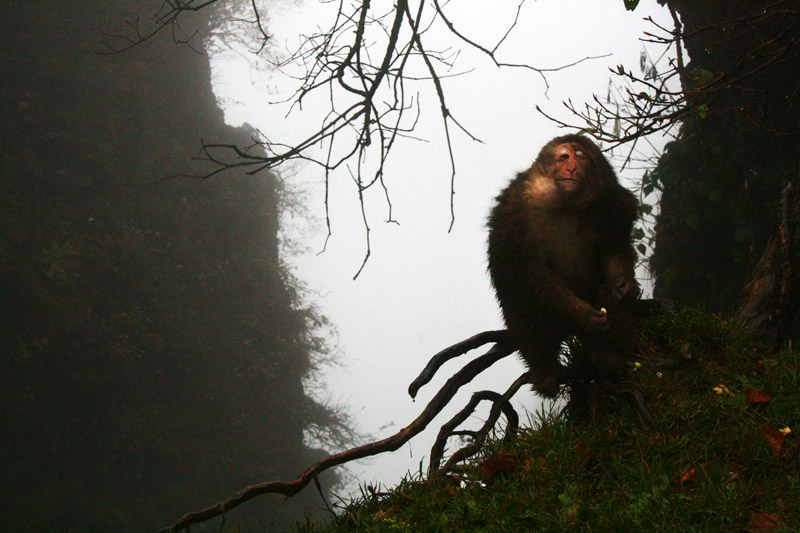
(290, 488)
(500, 404)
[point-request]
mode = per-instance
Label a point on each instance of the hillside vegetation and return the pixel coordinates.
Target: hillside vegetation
(154, 343)
(720, 456)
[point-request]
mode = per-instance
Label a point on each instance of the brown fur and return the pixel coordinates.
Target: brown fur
(559, 251)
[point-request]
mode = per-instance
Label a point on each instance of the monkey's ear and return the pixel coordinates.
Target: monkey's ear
(603, 170)
(538, 168)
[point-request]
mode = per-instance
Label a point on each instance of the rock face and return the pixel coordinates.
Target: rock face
(154, 344)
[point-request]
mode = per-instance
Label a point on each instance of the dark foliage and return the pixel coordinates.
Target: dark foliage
(720, 456)
(153, 344)
(723, 177)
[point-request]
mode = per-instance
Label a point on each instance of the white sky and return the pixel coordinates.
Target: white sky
(424, 289)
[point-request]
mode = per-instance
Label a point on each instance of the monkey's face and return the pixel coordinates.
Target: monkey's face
(570, 167)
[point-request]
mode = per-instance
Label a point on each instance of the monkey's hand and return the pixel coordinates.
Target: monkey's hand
(589, 319)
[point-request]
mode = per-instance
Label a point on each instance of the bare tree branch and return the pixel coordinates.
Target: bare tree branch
(166, 18)
(370, 104)
(651, 103)
(455, 350)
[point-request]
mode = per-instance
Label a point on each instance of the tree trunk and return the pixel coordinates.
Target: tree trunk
(770, 303)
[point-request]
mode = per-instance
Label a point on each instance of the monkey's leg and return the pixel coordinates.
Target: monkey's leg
(607, 354)
(540, 351)
(610, 353)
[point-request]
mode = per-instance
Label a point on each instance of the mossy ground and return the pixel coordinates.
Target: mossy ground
(719, 457)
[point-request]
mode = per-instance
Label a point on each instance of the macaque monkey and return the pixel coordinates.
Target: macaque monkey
(561, 258)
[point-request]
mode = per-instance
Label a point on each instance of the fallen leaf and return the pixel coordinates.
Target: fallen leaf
(757, 396)
(685, 351)
(761, 522)
(774, 438)
(688, 475)
(497, 463)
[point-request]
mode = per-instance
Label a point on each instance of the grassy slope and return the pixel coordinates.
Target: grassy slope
(715, 460)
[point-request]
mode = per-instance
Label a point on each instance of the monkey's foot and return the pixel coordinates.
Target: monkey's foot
(547, 383)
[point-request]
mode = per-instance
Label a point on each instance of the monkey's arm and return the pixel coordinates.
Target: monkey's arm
(521, 249)
(619, 278)
(620, 209)
(527, 287)
(548, 288)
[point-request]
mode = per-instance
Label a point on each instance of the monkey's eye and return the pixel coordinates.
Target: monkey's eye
(580, 153)
(563, 155)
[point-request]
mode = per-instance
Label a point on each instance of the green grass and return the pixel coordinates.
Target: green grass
(705, 466)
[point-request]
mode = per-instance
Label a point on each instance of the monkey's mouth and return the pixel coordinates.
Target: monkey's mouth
(569, 185)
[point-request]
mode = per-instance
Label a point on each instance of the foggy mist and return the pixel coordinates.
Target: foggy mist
(170, 340)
